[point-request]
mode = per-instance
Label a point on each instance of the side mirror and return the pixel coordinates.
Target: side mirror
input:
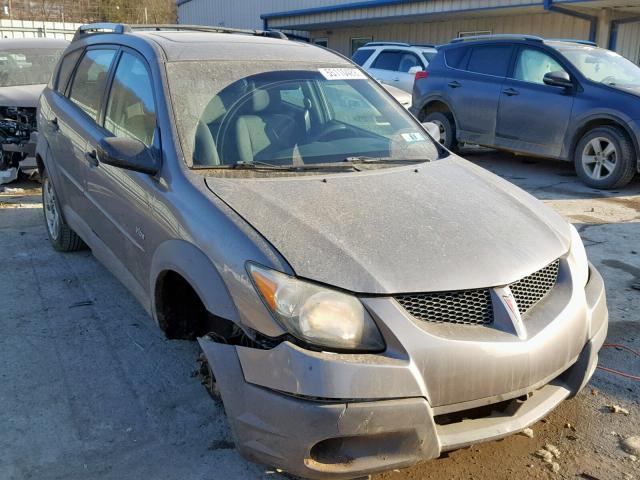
(413, 70)
(127, 153)
(433, 129)
(558, 79)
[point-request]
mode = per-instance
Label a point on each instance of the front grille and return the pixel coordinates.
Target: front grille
(474, 307)
(530, 290)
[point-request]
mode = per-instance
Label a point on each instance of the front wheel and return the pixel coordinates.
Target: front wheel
(447, 127)
(605, 158)
(60, 234)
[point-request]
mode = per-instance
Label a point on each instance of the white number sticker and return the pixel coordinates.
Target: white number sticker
(413, 137)
(342, 73)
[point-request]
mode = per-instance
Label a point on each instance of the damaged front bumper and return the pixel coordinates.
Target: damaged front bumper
(324, 415)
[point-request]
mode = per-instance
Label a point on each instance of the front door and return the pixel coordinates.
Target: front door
(533, 116)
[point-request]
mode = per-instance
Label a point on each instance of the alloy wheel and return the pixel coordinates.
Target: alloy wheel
(51, 214)
(599, 158)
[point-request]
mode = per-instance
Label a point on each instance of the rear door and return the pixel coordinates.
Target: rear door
(119, 198)
(76, 118)
(55, 127)
(473, 88)
(532, 116)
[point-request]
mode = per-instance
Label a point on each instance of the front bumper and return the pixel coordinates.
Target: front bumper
(315, 414)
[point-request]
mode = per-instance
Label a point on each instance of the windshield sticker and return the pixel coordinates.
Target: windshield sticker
(342, 74)
(413, 137)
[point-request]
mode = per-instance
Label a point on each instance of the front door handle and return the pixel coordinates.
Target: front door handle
(454, 84)
(511, 92)
(396, 79)
(54, 124)
(92, 158)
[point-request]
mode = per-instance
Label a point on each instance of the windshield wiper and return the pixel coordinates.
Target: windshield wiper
(364, 159)
(257, 165)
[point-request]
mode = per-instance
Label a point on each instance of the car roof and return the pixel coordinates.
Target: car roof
(33, 43)
(185, 45)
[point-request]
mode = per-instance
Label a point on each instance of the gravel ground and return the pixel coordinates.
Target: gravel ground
(92, 390)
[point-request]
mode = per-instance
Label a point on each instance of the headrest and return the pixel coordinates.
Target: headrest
(260, 99)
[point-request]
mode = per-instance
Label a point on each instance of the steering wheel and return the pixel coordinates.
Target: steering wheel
(331, 130)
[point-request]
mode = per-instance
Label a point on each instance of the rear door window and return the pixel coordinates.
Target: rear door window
(131, 109)
(388, 61)
(90, 80)
(362, 55)
(67, 64)
(490, 60)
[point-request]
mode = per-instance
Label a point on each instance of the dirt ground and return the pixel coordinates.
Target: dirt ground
(90, 389)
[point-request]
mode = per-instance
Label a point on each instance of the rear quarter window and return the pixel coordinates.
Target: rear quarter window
(456, 57)
(362, 55)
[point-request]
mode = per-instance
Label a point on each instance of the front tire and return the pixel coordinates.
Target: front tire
(60, 234)
(605, 158)
(447, 127)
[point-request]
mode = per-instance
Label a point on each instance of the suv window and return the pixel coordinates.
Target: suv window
(533, 64)
(457, 57)
(66, 69)
(490, 60)
(408, 61)
(362, 55)
(387, 61)
(90, 80)
(131, 110)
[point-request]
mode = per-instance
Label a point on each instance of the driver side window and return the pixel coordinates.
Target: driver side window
(131, 110)
(532, 65)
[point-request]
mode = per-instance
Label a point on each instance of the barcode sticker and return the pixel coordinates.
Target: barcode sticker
(342, 74)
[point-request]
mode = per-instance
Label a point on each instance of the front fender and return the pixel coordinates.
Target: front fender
(193, 265)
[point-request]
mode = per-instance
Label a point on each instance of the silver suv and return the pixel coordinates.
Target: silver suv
(364, 298)
(394, 63)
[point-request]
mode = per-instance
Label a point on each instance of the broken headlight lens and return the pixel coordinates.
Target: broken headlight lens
(579, 255)
(315, 314)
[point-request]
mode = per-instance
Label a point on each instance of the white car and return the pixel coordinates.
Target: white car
(400, 95)
(393, 63)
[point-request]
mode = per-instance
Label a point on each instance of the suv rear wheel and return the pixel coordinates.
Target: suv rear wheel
(447, 128)
(605, 158)
(60, 234)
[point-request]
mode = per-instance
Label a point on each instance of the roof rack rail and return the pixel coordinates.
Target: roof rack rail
(500, 36)
(208, 28)
(100, 28)
(573, 40)
(427, 45)
(123, 28)
(382, 43)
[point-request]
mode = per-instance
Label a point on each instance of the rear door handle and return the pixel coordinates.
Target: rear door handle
(92, 158)
(454, 84)
(511, 92)
(396, 79)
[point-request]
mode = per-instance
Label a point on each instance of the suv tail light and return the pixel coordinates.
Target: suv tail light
(421, 74)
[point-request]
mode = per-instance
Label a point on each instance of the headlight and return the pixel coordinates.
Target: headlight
(315, 314)
(579, 255)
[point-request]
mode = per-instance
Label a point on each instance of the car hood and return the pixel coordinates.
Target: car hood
(20, 95)
(444, 225)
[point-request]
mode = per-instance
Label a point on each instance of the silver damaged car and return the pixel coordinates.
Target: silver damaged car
(364, 298)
